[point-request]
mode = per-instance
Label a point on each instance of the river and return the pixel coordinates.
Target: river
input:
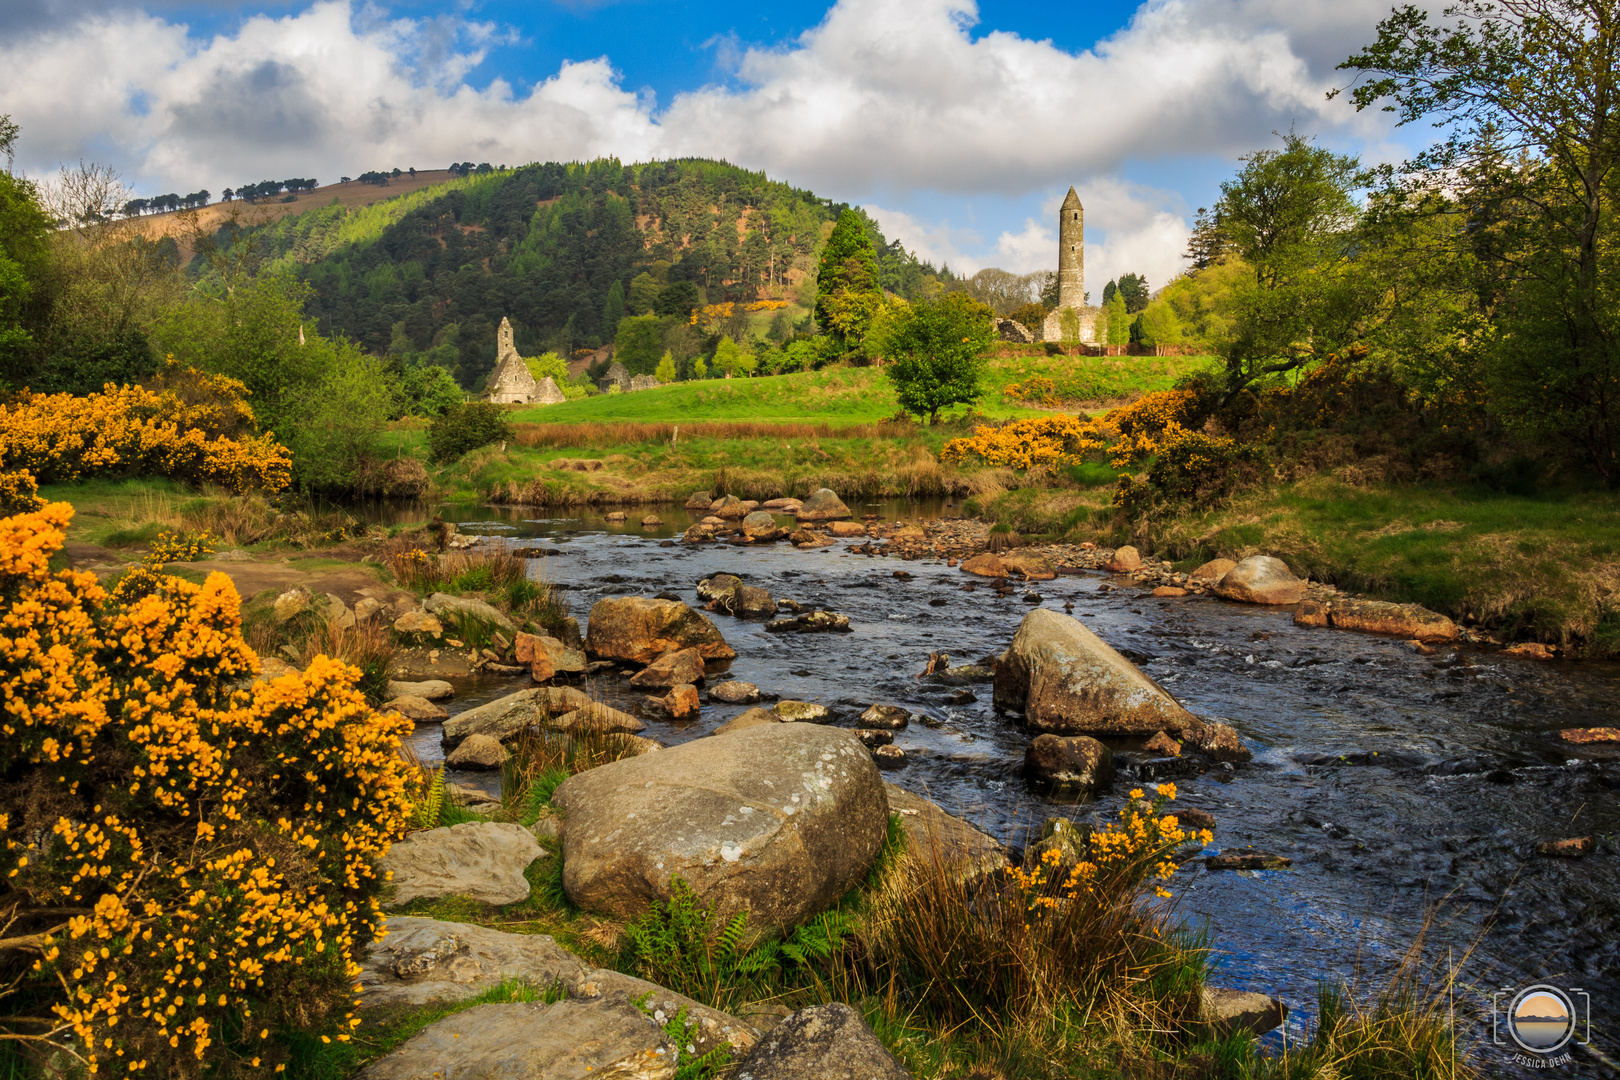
(1396, 782)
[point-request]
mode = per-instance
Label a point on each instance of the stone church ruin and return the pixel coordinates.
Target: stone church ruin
(1072, 319)
(511, 383)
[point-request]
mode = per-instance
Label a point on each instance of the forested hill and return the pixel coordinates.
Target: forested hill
(564, 250)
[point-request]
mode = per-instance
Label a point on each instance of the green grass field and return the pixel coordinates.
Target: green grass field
(864, 395)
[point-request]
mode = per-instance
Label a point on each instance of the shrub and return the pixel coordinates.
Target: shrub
(466, 427)
(1025, 444)
(189, 860)
(190, 434)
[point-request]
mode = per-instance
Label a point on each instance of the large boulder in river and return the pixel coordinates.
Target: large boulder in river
(640, 630)
(729, 508)
(481, 860)
(761, 525)
(1261, 579)
(1068, 681)
(1378, 617)
(701, 500)
(824, 505)
(1027, 565)
(823, 1042)
(778, 820)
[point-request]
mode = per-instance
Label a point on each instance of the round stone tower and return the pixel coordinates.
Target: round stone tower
(1072, 253)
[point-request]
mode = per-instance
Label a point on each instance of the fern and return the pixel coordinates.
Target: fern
(675, 945)
(683, 1032)
(427, 813)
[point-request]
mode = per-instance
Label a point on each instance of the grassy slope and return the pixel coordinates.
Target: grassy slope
(859, 395)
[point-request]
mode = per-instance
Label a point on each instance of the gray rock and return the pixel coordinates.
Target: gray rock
(734, 692)
(1261, 579)
(889, 757)
(608, 1037)
(295, 601)
(444, 604)
(1211, 572)
(824, 505)
(702, 500)
(751, 602)
(1228, 1011)
(778, 820)
(418, 622)
(1067, 680)
(761, 525)
(718, 587)
(1073, 765)
(336, 611)
(478, 752)
(595, 718)
(825, 1042)
(482, 958)
(366, 609)
(811, 622)
(429, 689)
(481, 860)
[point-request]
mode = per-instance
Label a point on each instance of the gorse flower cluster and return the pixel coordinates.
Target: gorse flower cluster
(187, 859)
(1118, 857)
(198, 428)
(1045, 441)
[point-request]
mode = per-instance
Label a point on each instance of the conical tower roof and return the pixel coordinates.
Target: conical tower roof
(1071, 200)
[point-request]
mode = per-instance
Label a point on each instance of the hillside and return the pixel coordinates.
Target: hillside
(562, 249)
(351, 196)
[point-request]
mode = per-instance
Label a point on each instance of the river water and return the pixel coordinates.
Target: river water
(1397, 783)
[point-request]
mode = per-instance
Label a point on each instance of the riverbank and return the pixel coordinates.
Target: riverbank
(1513, 567)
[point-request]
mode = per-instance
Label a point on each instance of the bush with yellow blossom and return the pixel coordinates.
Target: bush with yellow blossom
(187, 859)
(192, 427)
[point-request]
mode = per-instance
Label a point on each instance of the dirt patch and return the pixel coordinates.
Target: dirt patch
(252, 578)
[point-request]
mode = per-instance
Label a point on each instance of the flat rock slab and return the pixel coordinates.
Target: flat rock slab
(446, 606)
(825, 1042)
(415, 708)
(607, 1037)
(428, 689)
(1411, 621)
(734, 692)
(1068, 681)
(1229, 1011)
(778, 820)
(426, 961)
(1591, 736)
(481, 860)
(477, 959)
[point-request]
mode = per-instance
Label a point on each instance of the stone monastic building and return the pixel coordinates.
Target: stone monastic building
(617, 375)
(1071, 274)
(511, 382)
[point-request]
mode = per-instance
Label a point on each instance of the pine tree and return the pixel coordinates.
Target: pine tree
(613, 308)
(846, 280)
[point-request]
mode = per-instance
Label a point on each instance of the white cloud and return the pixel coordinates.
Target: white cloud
(938, 242)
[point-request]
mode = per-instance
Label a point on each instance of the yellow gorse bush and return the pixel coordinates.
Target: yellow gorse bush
(187, 860)
(186, 432)
(1127, 435)
(1118, 856)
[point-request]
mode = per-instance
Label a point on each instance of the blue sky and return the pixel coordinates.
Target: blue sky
(959, 126)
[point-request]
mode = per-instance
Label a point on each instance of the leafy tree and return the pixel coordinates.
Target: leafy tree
(547, 365)
(700, 370)
(1002, 290)
(937, 350)
(25, 291)
(464, 428)
(665, 372)
(1032, 316)
(1119, 320)
(1159, 323)
(848, 291)
(1289, 215)
(429, 390)
(733, 359)
(1134, 288)
(644, 290)
(640, 343)
(678, 299)
(1540, 79)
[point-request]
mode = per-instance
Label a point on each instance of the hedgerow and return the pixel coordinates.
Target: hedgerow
(187, 859)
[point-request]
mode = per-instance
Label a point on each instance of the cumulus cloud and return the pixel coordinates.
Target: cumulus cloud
(882, 95)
